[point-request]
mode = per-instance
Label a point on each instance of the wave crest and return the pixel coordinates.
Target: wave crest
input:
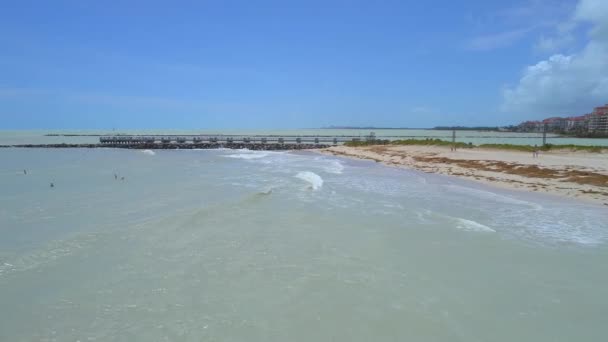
(315, 181)
(335, 166)
(473, 226)
(248, 155)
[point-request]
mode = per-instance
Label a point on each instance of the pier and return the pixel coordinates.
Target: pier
(169, 142)
(230, 139)
(252, 142)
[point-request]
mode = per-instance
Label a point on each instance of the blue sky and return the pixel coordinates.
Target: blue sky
(297, 64)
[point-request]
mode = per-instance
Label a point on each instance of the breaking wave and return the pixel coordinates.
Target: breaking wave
(148, 152)
(252, 154)
(257, 155)
(264, 192)
(335, 167)
(315, 181)
(472, 226)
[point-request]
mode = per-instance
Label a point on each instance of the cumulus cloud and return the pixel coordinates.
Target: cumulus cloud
(567, 84)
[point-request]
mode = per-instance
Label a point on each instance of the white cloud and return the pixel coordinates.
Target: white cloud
(542, 12)
(498, 40)
(551, 44)
(567, 84)
(516, 22)
(595, 11)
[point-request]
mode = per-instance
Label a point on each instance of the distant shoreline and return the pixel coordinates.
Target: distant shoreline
(436, 128)
(380, 128)
(478, 129)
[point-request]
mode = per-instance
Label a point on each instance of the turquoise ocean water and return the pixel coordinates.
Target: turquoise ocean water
(235, 245)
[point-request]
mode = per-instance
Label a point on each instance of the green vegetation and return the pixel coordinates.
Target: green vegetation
(574, 148)
(525, 148)
(439, 142)
(366, 143)
(430, 142)
(547, 147)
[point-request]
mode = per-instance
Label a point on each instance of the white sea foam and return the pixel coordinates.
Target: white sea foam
(265, 192)
(148, 152)
(493, 196)
(472, 226)
(316, 182)
(247, 155)
(550, 228)
(335, 166)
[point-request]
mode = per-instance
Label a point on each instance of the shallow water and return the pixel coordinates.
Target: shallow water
(272, 246)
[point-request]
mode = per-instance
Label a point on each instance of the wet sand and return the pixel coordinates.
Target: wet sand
(580, 175)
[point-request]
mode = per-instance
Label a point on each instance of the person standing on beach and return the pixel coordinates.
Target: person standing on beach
(535, 152)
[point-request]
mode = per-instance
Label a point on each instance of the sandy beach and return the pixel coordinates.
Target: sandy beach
(581, 175)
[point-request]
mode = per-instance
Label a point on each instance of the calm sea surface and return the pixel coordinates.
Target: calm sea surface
(234, 245)
(475, 137)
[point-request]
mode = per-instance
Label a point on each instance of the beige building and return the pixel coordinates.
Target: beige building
(598, 120)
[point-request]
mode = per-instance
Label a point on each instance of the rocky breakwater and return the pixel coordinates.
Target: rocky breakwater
(175, 146)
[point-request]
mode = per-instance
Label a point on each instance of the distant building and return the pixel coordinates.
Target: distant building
(601, 110)
(530, 126)
(593, 123)
(555, 124)
(598, 120)
(577, 123)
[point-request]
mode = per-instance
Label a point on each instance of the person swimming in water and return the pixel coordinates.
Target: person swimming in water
(52, 185)
(115, 176)
(24, 171)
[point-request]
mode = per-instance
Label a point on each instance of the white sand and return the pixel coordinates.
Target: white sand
(439, 159)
